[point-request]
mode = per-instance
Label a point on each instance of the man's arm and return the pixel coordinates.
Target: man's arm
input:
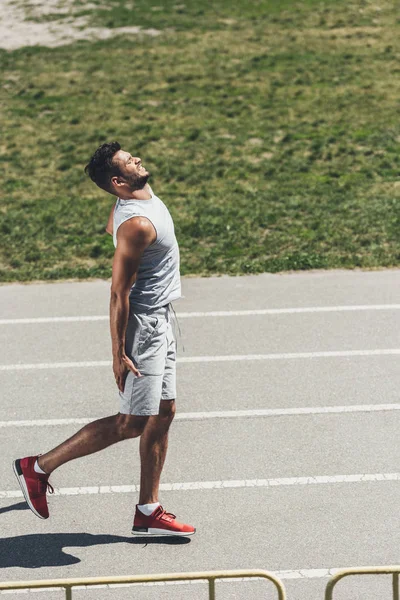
(133, 237)
(110, 222)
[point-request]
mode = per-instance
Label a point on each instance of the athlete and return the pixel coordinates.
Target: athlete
(145, 280)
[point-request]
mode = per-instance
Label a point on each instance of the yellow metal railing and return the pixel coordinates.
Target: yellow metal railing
(392, 570)
(211, 576)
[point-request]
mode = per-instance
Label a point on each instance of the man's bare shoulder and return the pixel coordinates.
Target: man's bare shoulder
(137, 229)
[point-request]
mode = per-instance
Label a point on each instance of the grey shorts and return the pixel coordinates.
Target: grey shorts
(150, 344)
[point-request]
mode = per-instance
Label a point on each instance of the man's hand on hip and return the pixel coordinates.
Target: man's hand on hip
(121, 366)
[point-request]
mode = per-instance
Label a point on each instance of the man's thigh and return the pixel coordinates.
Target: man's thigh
(147, 347)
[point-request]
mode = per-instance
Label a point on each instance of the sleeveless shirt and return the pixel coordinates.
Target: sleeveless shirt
(158, 279)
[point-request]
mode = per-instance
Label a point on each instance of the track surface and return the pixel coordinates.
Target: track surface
(280, 492)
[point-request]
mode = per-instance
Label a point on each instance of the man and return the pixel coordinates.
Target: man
(145, 280)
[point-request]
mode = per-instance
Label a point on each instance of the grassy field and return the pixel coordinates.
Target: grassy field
(271, 129)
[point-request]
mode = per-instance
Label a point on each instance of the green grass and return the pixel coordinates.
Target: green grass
(271, 130)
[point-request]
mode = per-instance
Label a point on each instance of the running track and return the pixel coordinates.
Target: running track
(284, 453)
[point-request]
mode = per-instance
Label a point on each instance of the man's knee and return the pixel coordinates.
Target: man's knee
(130, 426)
(167, 410)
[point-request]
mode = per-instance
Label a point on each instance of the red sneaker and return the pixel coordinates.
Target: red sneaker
(33, 485)
(159, 523)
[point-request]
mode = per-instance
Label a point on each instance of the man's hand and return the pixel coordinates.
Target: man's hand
(121, 367)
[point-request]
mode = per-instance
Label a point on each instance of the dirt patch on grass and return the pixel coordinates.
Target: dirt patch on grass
(20, 25)
(346, 32)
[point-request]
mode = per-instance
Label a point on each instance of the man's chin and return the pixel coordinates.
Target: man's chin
(145, 178)
(140, 182)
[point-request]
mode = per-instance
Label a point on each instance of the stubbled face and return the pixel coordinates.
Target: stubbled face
(132, 170)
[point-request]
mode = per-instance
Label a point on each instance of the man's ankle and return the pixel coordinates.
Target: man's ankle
(148, 508)
(39, 469)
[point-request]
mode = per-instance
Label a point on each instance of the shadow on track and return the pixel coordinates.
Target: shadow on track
(47, 549)
(19, 506)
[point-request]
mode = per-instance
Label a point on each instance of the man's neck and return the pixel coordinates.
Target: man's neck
(143, 194)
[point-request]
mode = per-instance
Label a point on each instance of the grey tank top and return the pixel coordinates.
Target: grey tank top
(158, 279)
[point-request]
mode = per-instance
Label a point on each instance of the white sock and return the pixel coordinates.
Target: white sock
(147, 509)
(37, 469)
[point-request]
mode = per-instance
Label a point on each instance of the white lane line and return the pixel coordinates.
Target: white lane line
(288, 311)
(47, 422)
(213, 313)
(55, 365)
(38, 320)
(224, 414)
(288, 355)
(201, 359)
(219, 485)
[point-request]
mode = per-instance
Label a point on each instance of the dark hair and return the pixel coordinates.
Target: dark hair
(101, 167)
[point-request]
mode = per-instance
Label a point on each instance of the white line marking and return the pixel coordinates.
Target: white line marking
(219, 485)
(280, 412)
(55, 365)
(289, 355)
(288, 574)
(47, 422)
(38, 320)
(287, 311)
(224, 414)
(213, 313)
(200, 359)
